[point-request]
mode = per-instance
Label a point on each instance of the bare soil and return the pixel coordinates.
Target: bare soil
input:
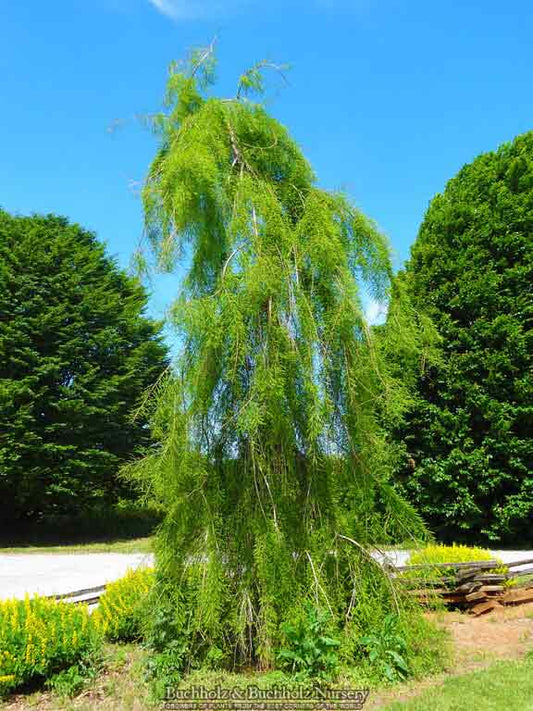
(504, 633)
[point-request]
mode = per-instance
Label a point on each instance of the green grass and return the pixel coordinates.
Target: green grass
(126, 527)
(503, 685)
(134, 545)
(522, 580)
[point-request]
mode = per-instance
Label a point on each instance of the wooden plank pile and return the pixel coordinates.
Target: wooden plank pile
(478, 587)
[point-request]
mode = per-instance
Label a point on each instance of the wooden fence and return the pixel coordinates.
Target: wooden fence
(479, 586)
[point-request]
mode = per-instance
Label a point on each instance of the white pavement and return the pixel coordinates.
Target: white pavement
(56, 573)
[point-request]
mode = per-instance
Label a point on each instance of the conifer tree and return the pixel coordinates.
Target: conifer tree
(272, 468)
(471, 272)
(76, 355)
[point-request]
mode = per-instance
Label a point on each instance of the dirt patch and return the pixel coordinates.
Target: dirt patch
(504, 633)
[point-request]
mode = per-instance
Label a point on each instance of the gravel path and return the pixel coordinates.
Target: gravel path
(56, 573)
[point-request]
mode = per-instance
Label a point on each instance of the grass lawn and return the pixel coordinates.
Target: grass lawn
(503, 685)
(124, 528)
(133, 545)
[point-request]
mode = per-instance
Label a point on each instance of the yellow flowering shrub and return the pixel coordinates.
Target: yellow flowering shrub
(39, 637)
(121, 609)
(456, 553)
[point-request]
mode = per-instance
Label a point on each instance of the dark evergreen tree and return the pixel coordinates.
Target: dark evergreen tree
(76, 354)
(469, 444)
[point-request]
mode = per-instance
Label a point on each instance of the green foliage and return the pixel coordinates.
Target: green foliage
(471, 272)
(69, 682)
(162, 632)
(273, 468)
(40, 637)
(429, 646)
(164, 669)
(310, 650)
(456, 553)
(122, 608)
(387, 650)
(76, 355)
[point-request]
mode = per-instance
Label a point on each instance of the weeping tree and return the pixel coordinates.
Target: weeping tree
(272, 467)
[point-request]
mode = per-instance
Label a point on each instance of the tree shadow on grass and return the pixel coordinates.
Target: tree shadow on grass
(122, 522)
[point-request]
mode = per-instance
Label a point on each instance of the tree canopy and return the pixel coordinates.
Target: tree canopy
(273, 468)
(471, 272)
(76, 354)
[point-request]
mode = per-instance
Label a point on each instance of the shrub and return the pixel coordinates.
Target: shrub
(455, 553)
(121, 610)
(70, 681)
(387, 650)
(310, 650)
(165, 669)
(40, 637)
(439, 554)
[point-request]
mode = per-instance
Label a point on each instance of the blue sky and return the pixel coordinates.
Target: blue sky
(387, 98)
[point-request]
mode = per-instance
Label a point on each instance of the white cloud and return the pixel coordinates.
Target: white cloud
(209, 9)
(171, 8)
(196, 9)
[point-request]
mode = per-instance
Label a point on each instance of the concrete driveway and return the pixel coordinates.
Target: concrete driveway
(56, 573)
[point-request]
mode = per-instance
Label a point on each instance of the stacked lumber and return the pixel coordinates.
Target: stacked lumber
(478, 587)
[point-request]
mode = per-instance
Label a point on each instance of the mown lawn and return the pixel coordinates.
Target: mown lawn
(134, 545)
(503, 685)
